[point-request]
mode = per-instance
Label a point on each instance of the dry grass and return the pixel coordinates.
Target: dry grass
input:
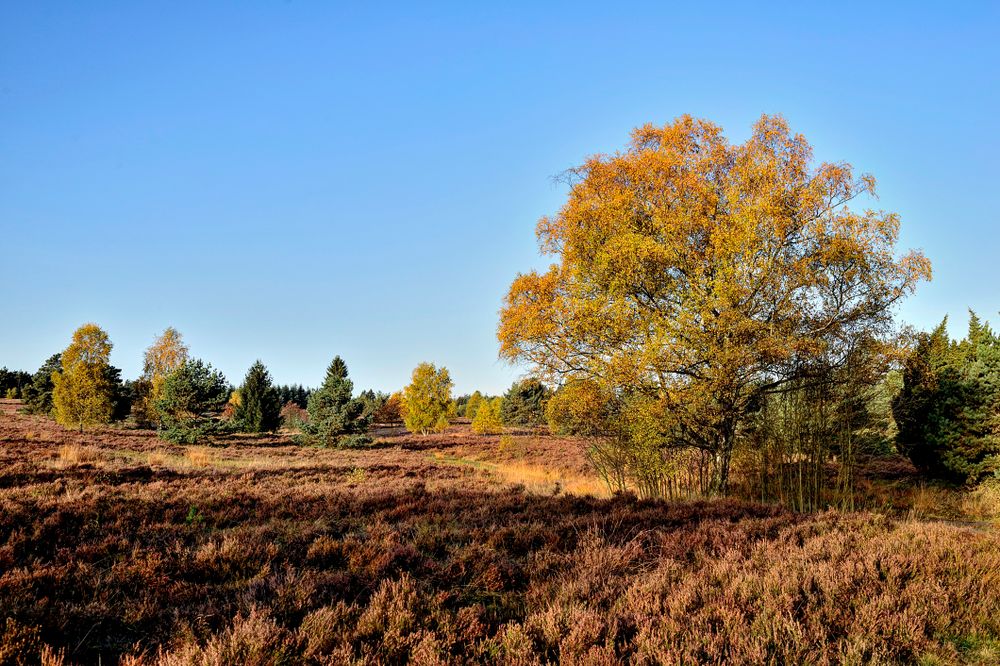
(158, 459)
(983, 503)
(200, 456)
(74, 454)
(548, 481)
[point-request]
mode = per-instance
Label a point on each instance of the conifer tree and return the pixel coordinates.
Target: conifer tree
(191, 391)
(336, 418)
(82, 392)
(188, 397)
(427, 400)
(948, 411)
(524, 403)
(38, 394)
(259, 409)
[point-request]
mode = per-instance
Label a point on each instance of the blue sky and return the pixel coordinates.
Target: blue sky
(292, 180)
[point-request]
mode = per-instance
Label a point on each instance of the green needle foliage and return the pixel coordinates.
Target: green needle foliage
(948, 411)
(189, 396)
(524, 403)
(259, 409)
(336, 417)
(38, 394)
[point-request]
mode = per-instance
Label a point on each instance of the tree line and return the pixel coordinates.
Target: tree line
(187, 400)
(716, 315)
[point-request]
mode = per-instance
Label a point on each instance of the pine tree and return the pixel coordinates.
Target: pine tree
(189, 396)
(947, 411)
(524, 403)
(38, 394)
(336, 418)
(427, 400)
(82, 394)
(259, 409)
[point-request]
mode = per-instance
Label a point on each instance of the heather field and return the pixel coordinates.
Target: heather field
(116, 547)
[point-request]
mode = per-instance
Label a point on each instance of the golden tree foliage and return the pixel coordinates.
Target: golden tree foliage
(487, 420)
(427, 400)
(167, 353)
(391, 411)
(472, 406)
(82, 392)
(579, 408)
(706, 275)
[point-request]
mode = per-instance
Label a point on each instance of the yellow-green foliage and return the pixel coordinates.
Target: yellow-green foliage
(488, 421)
(167, 353)
(471, 407)
(427, 400)
(579, 408)
(82, 392)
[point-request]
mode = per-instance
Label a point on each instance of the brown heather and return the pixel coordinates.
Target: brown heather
(423, 550)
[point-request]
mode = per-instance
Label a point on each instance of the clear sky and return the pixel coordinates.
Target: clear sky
(293, 180)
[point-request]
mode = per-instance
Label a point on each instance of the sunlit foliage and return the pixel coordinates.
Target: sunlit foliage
(167, 353)
(472, 405)
(427, 400)
(488, 420)
(82, 392)
(706, 275)
(389, 412)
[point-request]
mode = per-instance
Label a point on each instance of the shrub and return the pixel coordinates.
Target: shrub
(293, 417)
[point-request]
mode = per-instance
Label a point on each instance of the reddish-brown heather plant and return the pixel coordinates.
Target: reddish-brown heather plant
(270, 553)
